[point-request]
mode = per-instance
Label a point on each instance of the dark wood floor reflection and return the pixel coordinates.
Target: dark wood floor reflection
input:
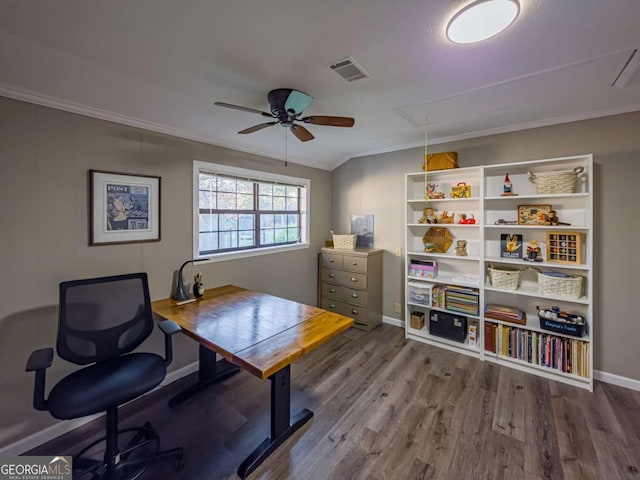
(388, 408)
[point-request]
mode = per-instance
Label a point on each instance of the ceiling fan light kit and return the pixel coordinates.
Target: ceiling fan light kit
(481, 20)
(286, 106)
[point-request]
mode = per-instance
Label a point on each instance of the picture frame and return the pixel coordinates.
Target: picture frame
(564, 247)
(511, 245)
(533, 214)
(123, 208)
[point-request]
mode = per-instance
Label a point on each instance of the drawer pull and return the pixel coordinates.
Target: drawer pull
(331, 260)
(354, 311)
(332, 275)
(331, 305)
(332, 290)
(354, 263)
(354, 279)
(354, 295)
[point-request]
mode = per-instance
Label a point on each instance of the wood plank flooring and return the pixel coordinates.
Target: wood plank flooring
(390, 408)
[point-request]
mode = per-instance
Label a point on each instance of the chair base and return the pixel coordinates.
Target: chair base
(141, 449)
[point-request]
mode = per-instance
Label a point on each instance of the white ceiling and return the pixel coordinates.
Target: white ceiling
(162, 64)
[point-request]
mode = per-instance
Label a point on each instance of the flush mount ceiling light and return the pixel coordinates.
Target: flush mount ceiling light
(482, 19)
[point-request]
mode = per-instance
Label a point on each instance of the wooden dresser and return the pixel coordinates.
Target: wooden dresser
(350, 283)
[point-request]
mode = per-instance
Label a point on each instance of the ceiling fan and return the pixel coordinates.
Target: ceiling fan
(286, 105)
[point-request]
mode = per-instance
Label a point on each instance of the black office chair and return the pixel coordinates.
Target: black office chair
(100, 322)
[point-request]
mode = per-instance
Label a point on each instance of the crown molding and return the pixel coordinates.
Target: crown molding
(68, 106)
(93, 112)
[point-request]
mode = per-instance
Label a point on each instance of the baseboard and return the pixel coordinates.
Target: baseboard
(613, 379)
(392, 321)
(62, 427)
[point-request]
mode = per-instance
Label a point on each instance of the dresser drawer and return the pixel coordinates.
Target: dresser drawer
(359, 314)
(354, 263)
(348, 279)
(331, 260)
(346, 294)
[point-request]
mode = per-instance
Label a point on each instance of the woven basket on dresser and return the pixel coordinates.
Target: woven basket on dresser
(556, 182)
(345, 241)
(504, 278)
(559, 286)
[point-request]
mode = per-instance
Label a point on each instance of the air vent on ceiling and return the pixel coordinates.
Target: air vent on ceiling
(630, 68)
(349, 69)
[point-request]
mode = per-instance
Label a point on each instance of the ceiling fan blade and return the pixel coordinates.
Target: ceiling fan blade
(329, 121)
(244, 109)
(302, 133)
(255, 128)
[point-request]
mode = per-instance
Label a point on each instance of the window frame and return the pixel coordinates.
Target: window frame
(254, 175)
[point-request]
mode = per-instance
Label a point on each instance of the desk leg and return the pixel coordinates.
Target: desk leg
(209, 372)
(282, 424)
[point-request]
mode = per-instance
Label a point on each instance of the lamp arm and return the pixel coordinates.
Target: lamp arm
(180, 292)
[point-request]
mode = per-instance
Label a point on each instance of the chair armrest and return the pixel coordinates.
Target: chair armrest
(168, 327)
(40, 359)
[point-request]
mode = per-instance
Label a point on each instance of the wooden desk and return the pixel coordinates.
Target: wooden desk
(262, 334)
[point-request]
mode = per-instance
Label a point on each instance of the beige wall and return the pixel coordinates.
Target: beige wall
(44, 158)
(375, 184)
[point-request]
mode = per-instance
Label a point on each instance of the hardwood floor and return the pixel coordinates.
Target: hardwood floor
(389, 408)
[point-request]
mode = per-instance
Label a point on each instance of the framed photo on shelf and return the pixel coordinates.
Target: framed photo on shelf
(123, 208)
(533, 214)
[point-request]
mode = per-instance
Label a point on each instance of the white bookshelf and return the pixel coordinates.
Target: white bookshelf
(490, 208)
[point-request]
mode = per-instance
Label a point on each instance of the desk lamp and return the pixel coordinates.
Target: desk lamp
(180, 293)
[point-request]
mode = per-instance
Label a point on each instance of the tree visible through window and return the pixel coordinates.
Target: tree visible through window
(236, 213)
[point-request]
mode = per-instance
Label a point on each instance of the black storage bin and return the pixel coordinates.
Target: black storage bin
(560, 326)
(448, 325)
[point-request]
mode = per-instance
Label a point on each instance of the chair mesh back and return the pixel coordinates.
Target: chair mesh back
(101, 318)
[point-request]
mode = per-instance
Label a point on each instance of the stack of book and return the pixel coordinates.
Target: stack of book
(462, 299)
(505, 314)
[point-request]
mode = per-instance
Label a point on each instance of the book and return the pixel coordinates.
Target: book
(511, 245)
(489, 337)
(505, 314)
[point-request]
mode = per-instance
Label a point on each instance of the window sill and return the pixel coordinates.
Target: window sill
(222, 257)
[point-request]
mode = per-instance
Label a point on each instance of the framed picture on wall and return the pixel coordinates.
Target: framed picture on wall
(123, 208)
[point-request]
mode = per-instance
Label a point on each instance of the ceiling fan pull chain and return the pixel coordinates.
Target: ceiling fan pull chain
(285, 147)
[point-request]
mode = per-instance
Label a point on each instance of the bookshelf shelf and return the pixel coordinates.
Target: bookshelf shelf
(544, 265)
(529, 292)
(547, 372)
(488, 206)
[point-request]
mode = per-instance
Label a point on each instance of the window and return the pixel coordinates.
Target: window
(240, 212)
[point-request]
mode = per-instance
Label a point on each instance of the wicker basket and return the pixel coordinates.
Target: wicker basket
(345, 241)
(559, 286)
(504, 278)
(556, 182)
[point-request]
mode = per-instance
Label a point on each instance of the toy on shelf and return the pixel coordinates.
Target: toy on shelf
(461, 248)
(446, 219)
(432, 193)
(429, 247)
(467, 221)
(507, 188)
(428, 216)
(552, 219)
(461, 190)
(533, 252)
